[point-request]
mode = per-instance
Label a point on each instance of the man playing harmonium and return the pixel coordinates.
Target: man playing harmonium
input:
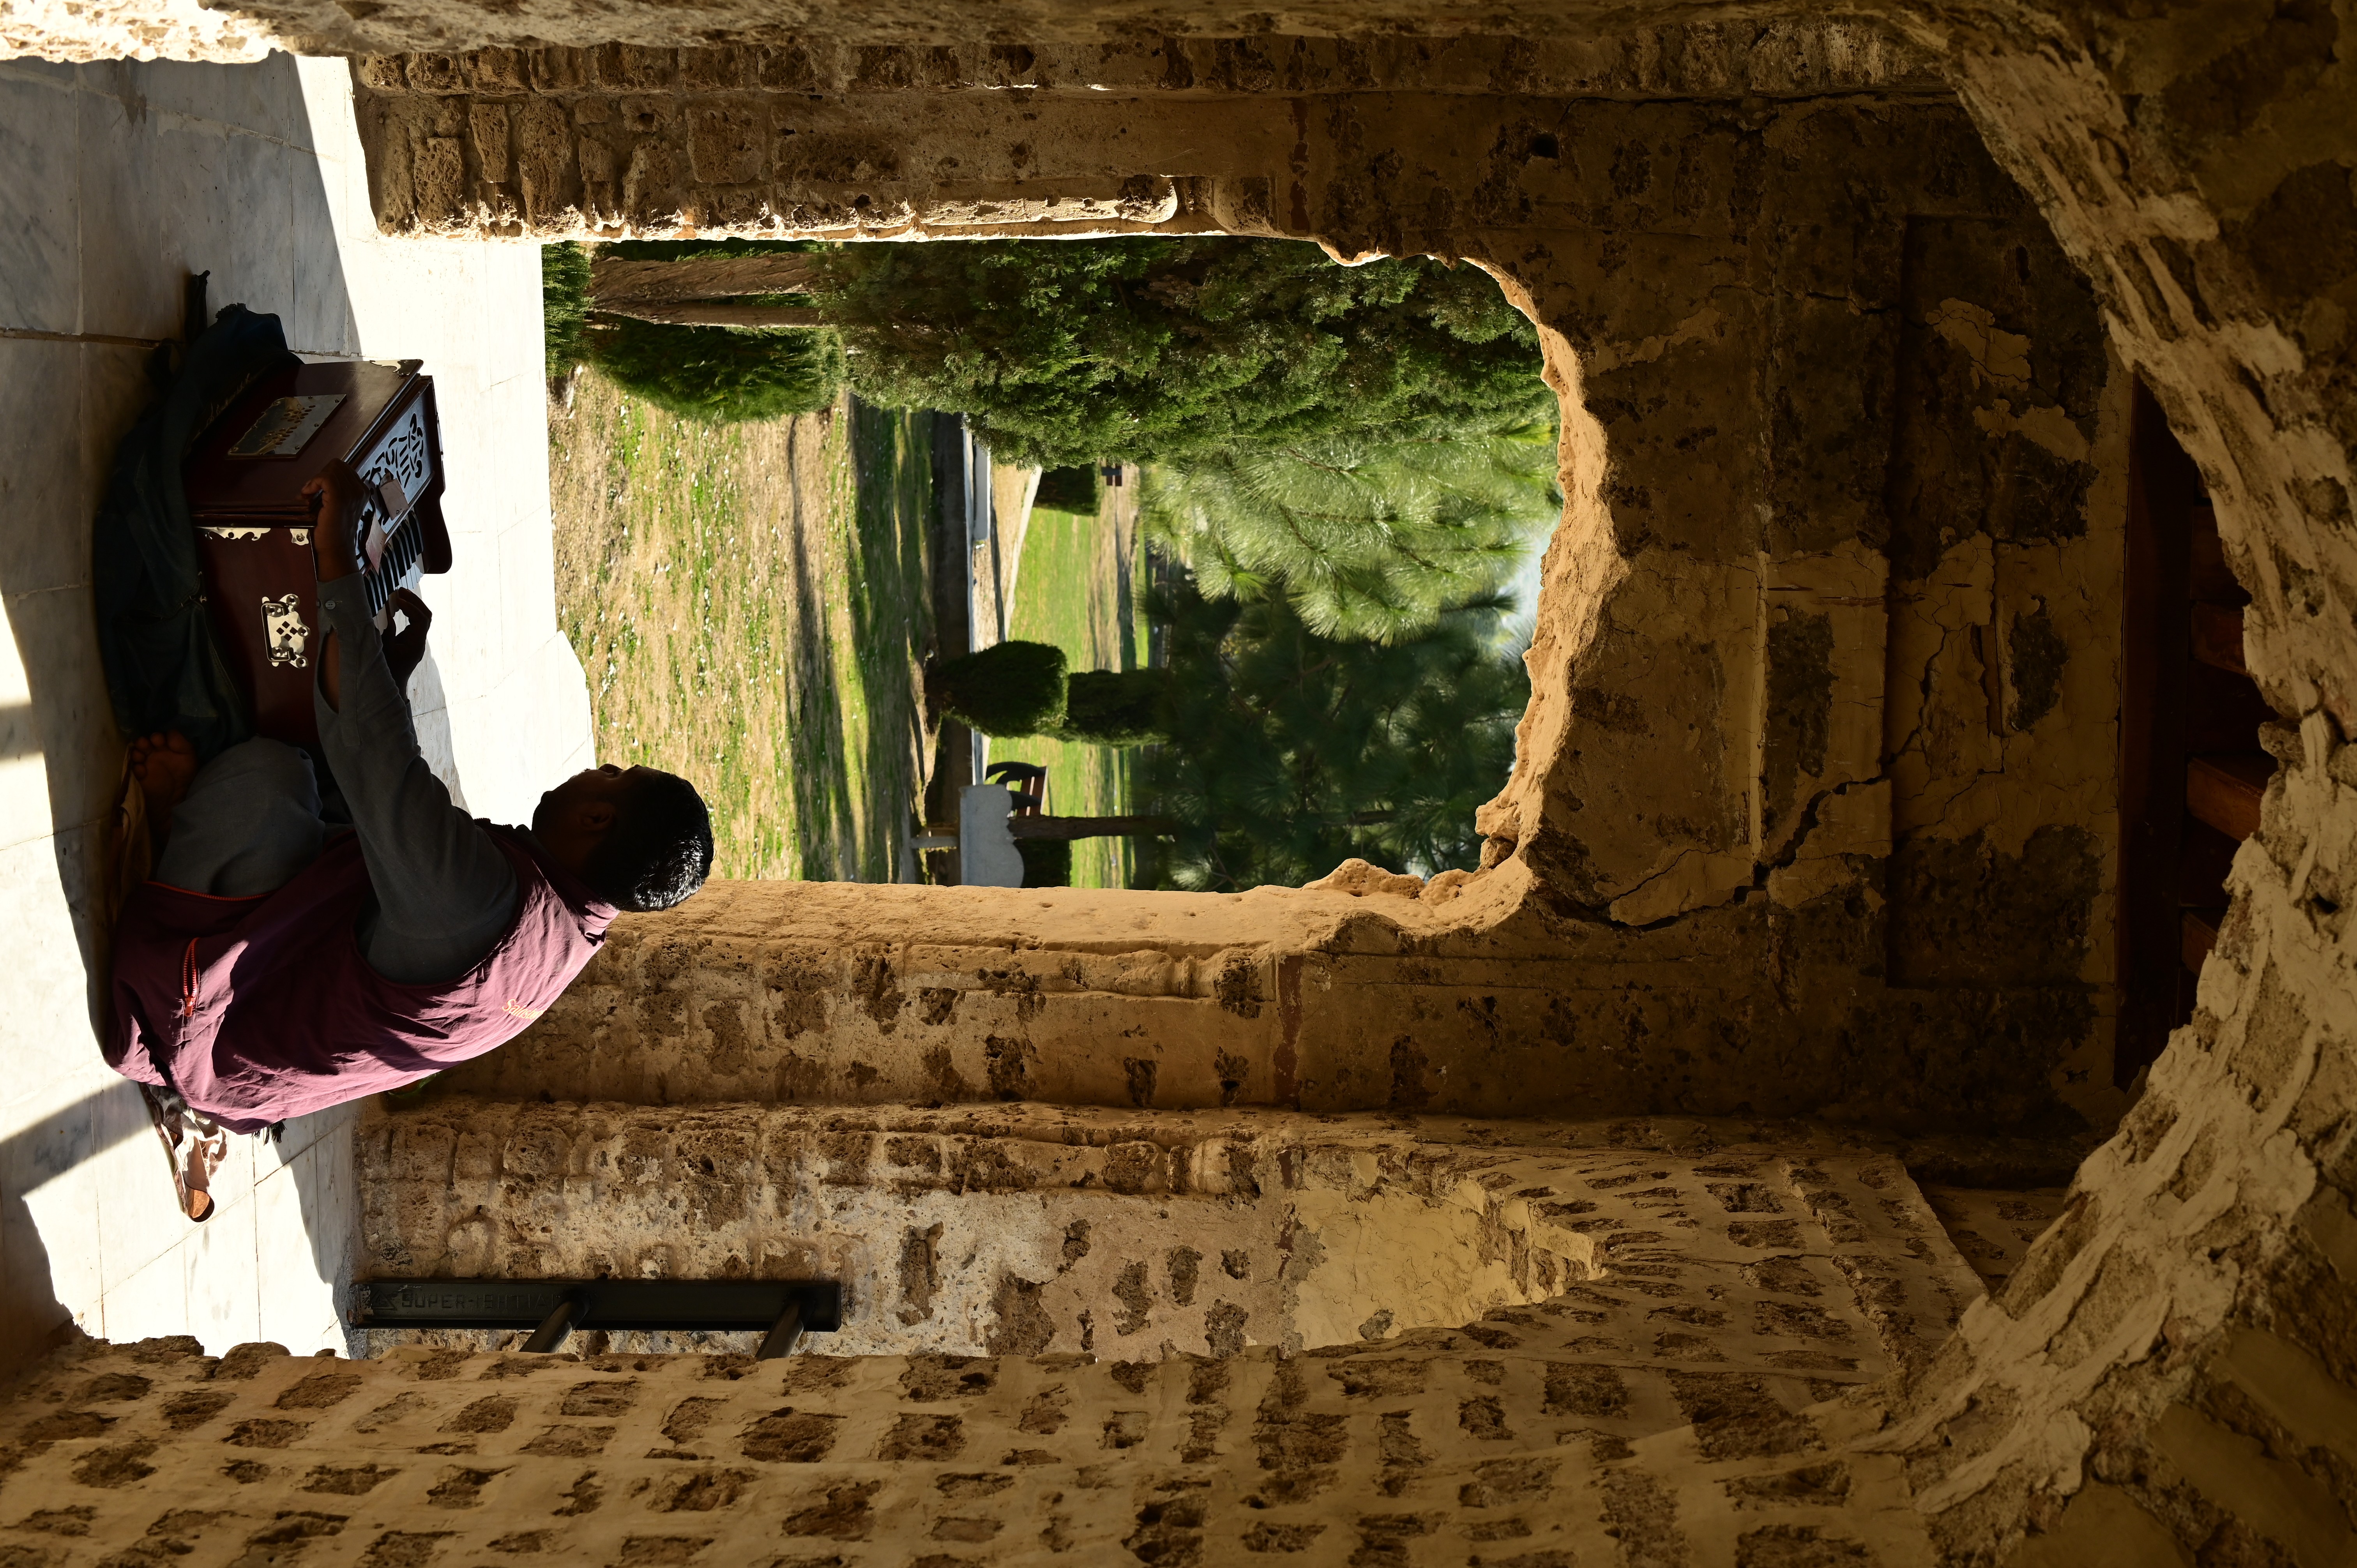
(279, 964)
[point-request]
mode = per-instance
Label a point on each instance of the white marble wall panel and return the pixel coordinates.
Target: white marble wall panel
(122, 178)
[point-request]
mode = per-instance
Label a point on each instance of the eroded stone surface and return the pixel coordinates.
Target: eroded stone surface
(1785, 1254)
(2192, 165)
(1487, 1445)
(1707, 878)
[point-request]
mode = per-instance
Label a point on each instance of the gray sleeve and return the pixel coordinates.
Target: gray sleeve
(444, 890)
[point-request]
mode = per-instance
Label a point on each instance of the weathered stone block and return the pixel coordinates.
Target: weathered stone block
(727, 143)
(716, 70)
(438, 73)
(439, 178)
(558, 69)
(545, 154)
(488, 131)
(623, 68)
(788, 68)
(500, 73)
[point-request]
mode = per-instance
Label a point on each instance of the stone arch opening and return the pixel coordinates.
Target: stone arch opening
(2170, 262)
(2199, 1269)
(1841, 458)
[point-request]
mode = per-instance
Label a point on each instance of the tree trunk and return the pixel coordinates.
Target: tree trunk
(718, 315)
(1090, 827)
(614, 283)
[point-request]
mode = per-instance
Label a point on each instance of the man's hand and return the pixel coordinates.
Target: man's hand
(335, 495)
(405, 649)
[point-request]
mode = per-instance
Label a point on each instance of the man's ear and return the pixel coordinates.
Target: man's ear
(597, 816)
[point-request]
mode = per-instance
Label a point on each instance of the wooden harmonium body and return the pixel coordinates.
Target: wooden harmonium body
(244, 481)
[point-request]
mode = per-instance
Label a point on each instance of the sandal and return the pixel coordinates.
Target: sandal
(193, 1144)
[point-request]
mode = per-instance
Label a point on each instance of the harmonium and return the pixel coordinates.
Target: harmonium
(244, 480)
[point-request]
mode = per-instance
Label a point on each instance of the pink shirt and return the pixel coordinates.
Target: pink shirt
(262, 1008)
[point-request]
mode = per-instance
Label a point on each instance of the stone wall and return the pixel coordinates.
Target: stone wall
(1816, 804)
(2167, 1367)
(2166, 1374)
(1690, 1379)
(1030, 1228)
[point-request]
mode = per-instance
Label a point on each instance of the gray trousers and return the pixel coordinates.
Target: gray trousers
(248, 823)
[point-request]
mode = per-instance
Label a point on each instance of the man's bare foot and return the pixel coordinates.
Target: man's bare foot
(163, 765)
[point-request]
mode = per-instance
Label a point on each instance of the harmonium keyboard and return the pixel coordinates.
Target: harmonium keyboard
(244, 480)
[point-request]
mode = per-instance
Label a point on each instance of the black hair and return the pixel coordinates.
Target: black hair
(659, 850)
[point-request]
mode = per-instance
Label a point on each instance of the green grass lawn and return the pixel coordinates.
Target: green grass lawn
(749, 601)
(1068, 593)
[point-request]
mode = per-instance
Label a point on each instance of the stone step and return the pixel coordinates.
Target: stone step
(1807, 1264)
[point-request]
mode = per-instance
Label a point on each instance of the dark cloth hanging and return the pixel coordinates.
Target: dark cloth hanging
(163, 670)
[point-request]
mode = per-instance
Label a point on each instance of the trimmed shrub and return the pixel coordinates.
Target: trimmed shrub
(1047, 862)
(1006, 692)
(720, 374)
(1070, 489)
(1109, 707)
(563, 305)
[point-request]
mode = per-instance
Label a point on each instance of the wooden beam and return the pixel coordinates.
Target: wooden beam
(613, 281)
(2224, 790)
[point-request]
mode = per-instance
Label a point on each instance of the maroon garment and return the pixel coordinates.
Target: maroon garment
(263, 1008)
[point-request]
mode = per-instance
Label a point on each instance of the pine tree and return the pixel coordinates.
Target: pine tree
(1155, 348)
(1289, 752)
(1371, 540)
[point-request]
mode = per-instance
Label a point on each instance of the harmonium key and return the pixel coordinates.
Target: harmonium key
(244, 480)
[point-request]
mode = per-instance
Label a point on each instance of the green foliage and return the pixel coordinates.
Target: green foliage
(1070, 489)
(1290, 752)
(1007, 690)
(716, 374)
(1372, 539)
(685, 250)
(1109, 707)
(563, 305)
(1152, 349)
(720, 374)
(1047, 862)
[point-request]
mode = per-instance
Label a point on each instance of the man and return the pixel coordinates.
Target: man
(278, 963)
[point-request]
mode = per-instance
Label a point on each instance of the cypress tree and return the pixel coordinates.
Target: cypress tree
(1152, 349)
(718, 374)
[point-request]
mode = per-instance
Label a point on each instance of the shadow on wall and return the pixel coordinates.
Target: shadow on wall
(165, 169)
